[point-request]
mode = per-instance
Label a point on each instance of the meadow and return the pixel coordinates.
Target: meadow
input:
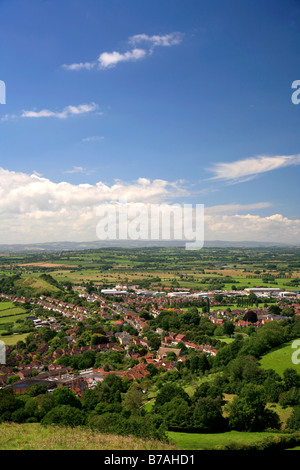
(280, 359)
(9, 316)
(214, 441)
(33, 436)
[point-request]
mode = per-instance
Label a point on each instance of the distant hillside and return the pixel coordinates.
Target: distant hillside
(36, 285)
(71, 246)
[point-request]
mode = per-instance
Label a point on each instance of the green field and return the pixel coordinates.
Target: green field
(195, 441)
(9, 314)
(35, 285)
(11, 340)
(6, 305)
(280, 359)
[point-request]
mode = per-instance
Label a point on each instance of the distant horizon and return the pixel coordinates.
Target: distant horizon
(127, 244)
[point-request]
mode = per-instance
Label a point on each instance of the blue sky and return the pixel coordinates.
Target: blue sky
(193, 94)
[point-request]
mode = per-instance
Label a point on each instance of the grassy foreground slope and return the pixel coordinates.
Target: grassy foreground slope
(33, 436)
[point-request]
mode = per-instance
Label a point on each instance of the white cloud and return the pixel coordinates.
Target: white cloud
(233, 208)
(65, 113)
(8, 117)
(166, 40)
(76, 169)
(93, 138)
(80, 66)
(243, 170)
(36, 209)
(111, 59)
(249, 227)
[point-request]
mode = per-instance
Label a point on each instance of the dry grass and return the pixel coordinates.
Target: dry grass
(36, 437)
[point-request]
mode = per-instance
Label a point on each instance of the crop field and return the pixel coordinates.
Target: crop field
(241, 266)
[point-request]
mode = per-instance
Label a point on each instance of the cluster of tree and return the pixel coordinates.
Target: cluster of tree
(7, 284)
(247, 301)
(111, 360)
(113, 406)
(205, 410)
(244, 376)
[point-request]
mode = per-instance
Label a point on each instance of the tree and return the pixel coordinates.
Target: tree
(250, 316)
(152, 369)
(228, 327)
(203, 363)
(36, 390)
(8, 403)
(287, 312)
(208, 416)
(171, 356)
(64, 396)
(38, 407)
(109, 391)
(64, 415)
(154, 342)
(273, 389)
(291, 378)
(274, 310)
(207, 390)
(97, 338)
(177, 414)
(248, 411)
(12, 379)
(168, 392)
(293, 422)
(134, 397)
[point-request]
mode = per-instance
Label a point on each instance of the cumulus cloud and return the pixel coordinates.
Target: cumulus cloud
(250, 227)
(243, 170)
(108, 60)
(36, 209)
(111, 59)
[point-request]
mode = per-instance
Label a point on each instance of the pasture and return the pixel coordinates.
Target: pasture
(281, 358)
